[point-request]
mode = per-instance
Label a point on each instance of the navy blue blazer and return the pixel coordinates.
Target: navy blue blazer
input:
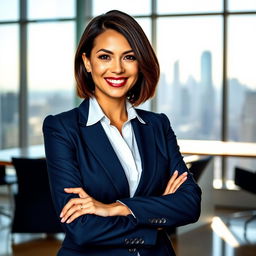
(82, 156)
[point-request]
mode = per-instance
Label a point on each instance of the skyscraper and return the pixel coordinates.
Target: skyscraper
(208, 95)
(248, 119)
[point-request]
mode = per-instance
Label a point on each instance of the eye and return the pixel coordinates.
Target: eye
(130, 57)
(104, 57)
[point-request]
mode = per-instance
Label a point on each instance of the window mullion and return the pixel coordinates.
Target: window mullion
(23, 94)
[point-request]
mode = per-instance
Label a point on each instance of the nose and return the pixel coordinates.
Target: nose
(117, 66)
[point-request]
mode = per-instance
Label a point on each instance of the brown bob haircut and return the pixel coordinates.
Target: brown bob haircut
(121, 22)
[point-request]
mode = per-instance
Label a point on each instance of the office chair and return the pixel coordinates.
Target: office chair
(8, 181)
(34, 210)
(197, 167)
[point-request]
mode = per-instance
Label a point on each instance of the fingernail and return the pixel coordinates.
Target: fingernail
(62, 220)
(185, 173)
(65, 188)
(68, 221)
(61, 215)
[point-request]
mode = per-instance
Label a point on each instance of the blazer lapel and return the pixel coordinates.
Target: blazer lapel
(145, 138)
(99, 144)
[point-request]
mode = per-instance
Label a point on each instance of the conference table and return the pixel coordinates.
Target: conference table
(191, 149)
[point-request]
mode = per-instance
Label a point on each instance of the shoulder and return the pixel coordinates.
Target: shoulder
(62, 120)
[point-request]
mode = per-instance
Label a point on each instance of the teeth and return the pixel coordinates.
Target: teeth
(115, 81)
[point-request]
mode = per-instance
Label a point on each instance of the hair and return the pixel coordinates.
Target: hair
(149, 70)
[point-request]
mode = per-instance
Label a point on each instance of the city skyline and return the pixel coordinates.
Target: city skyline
(193, 107)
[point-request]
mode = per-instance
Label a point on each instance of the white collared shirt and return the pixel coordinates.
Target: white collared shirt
(125, 145)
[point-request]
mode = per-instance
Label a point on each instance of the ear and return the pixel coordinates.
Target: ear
(87, 63)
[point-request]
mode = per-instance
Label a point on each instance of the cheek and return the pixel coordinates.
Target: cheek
(98, 69)
(133, 69)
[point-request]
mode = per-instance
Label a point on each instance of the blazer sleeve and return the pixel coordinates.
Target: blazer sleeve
(64, 172)
(180, 208)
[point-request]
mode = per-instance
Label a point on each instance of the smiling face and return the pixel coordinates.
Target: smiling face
(113, 66)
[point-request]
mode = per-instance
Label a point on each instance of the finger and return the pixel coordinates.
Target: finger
(182, 181)
(75, 216)
(69, 204)
(85, 203)
(178, 182)
(78, 191)
(89, 210)
(71, 211)
(174, 176)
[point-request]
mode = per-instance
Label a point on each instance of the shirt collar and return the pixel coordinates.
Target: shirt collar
(96, 114)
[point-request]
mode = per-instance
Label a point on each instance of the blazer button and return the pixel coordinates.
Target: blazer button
(127, 241)
(163, 220)
(132, 250)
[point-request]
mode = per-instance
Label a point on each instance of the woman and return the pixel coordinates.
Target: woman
(117, 177)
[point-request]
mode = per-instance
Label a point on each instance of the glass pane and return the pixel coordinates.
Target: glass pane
(241, 87)
(188, 6)
(50, 72)
(242, 78)
(245, 5)
(9, 10)
(190, 55)
(145, 23)
(132, 7)
(9, 75)
(38, 9)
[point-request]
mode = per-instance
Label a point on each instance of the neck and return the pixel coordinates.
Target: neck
(114, 109)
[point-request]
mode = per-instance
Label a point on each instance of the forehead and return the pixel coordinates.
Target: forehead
(111, 40)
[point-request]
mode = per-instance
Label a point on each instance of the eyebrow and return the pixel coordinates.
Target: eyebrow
(108, 51)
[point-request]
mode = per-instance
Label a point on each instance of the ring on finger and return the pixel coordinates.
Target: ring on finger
(82, 206)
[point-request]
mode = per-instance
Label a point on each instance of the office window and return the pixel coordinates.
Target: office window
(241, 5)
(241, 87)
(9, 84)
(51, 49)
(188, 38)
(9, 10)
(145, 23)
(132, 7)
(38, 9)
(188, 6)
(190, 55)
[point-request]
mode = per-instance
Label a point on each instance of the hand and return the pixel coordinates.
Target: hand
(86, 204)
(175, 182)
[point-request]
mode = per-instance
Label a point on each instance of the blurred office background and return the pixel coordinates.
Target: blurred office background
(207, 54)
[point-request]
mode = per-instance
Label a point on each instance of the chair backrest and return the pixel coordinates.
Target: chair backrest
(34, 210)
(197, 167)
(32, 177)
(245, 179)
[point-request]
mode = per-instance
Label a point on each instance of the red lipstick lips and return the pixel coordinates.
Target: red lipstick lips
(116, 81)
